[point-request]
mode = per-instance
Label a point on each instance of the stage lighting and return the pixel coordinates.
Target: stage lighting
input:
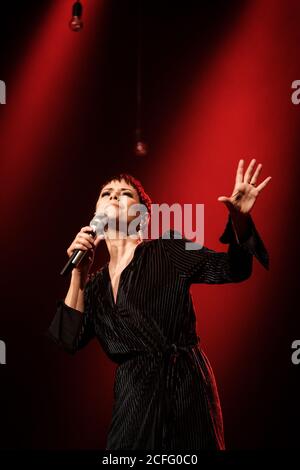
(141, 149)
(76, 23)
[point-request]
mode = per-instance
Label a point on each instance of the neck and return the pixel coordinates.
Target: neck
(121, 250)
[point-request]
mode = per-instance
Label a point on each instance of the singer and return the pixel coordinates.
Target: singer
(139, 307)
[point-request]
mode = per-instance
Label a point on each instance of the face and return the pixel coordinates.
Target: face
(116, 198)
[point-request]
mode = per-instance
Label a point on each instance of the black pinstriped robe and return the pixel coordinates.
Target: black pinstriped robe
(165, 394)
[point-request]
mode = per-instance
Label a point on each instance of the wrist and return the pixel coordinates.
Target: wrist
(79, 277)
(241, 225)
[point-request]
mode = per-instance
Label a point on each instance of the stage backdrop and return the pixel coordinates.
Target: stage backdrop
(216, 87)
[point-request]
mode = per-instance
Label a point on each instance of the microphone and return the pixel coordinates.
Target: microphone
(97, 223)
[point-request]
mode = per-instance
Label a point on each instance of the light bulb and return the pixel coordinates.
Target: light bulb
(140, 148)
(76, 23)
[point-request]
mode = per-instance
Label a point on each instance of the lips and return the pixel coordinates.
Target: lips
(112, 204)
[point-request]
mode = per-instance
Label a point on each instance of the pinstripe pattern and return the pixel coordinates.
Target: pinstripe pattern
(165, 394)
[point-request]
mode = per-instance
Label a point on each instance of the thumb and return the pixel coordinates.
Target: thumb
(223, 199)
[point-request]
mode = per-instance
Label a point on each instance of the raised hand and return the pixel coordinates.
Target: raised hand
(246, 190)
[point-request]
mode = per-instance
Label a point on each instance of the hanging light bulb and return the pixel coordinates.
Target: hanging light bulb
(76, 23)
(140, 148)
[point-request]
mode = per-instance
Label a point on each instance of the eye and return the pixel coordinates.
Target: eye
(105, 193)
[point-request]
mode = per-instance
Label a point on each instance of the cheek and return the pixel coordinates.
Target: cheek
(98, 204)
(125, 203)
(134, 212)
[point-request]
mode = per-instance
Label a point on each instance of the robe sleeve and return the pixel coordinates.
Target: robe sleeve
(207, 266)
(70, 328)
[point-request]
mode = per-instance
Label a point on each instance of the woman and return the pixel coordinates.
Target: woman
(139, 307)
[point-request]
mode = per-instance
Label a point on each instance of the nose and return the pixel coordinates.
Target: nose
(114, 196)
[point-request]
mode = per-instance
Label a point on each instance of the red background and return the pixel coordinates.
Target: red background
(216, 88)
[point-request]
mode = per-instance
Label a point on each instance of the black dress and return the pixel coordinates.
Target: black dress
(165, 394)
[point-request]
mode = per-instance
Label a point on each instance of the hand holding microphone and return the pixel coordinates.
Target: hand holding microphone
(82, 250)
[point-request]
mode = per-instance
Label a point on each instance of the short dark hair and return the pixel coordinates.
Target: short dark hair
(136, 184)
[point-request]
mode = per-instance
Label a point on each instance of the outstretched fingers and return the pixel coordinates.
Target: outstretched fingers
(248, 174)
(239, 172)
(264, 183)
(256, 175)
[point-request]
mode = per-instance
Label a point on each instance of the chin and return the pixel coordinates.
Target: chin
(112, 210)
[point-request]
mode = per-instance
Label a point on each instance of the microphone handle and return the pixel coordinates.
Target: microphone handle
(73, 261)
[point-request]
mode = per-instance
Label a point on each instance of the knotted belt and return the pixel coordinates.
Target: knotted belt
(169, 355)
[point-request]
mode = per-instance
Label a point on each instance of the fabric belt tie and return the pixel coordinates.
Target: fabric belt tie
(169, 354)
